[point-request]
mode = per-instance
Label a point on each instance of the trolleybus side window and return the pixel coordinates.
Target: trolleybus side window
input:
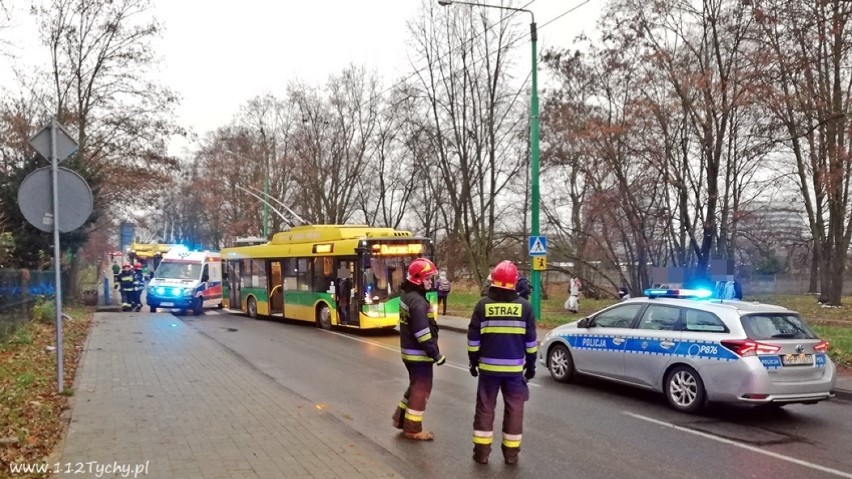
(323, 274)
(291, 272)
(258, 274)
(245, 273)
(303, 275)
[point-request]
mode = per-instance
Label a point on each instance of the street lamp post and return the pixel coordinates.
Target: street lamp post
(535, 275)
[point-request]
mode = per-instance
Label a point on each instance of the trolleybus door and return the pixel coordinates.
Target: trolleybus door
(345, 287)
(234, 299)
(276, 285)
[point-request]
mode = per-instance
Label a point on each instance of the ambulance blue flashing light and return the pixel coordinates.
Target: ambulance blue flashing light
(678, 293)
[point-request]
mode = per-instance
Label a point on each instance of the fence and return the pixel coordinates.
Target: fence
(19, 289)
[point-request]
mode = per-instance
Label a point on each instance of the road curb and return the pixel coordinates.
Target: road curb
(843, 394)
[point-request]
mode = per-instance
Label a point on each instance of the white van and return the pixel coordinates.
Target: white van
(186, 280)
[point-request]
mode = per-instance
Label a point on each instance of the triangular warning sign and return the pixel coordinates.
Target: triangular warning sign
(537, 247)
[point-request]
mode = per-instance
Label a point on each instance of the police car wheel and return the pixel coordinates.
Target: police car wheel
(685, 389)
(560, 363)
(324, 317)
(251, 308)
(153, 309)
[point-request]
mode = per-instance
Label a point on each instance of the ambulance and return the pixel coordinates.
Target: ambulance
(186, 281)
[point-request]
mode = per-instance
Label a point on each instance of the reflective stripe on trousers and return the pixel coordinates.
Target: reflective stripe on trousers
(413, 404)
(515, 393)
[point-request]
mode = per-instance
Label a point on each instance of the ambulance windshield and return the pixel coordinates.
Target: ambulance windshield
(172, 270)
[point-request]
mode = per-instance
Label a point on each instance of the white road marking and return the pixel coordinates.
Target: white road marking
(396, 350)
(742, 446)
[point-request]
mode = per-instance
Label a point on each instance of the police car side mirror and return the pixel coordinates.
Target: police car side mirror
(584, 323)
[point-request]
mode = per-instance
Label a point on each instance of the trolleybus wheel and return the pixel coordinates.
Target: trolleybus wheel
(252, 308)
(324, 317)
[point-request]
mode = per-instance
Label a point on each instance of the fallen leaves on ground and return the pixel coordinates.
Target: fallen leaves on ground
(31, 422)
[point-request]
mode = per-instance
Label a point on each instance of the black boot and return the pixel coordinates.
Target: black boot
(510, 454)
(398, 417)
(481, 453)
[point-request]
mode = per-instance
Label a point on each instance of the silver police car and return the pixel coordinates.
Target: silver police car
(696, 350)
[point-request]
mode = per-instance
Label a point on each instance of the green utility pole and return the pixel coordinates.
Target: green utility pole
(534, 168)
(535, 276)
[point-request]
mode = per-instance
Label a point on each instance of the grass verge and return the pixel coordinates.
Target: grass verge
(31, 423)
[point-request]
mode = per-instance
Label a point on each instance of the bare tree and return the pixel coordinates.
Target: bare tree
(697, 51)
(464, 87)
(806, 48)
(335, 139)
(100, 52)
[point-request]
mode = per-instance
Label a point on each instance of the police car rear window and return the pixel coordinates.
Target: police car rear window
(776, 326)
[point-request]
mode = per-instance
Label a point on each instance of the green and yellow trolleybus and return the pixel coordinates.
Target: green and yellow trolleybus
(332, 275)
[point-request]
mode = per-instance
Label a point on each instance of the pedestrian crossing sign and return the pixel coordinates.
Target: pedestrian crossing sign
(538, 245)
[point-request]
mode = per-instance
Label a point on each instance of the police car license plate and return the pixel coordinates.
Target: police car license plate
(167, 304)
(797, 359)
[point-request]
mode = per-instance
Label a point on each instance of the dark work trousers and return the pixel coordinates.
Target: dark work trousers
(408, 415)
(442, 302)
(343, 312)
(128, 297)
(515, 394)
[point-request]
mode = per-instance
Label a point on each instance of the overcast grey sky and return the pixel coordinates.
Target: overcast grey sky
(217, 54)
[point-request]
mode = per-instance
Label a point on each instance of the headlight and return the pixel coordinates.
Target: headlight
(160, 291)
(188, 292)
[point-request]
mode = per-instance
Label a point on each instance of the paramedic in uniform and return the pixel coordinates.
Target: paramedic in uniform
(502, 347)
(418, 340)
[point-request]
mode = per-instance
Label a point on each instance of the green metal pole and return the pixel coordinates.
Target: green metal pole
(266, 208)
(534, 167)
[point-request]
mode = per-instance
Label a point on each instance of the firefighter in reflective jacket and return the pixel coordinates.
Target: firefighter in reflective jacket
(126, 282)
(138, 286)
(502, 347)
(418, 340)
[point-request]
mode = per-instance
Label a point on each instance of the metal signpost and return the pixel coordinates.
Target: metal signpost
(55, 144)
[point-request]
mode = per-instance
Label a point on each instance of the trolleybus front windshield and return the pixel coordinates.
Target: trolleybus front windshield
(383, 276)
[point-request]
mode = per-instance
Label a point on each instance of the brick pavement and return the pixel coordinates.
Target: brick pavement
(153, 391)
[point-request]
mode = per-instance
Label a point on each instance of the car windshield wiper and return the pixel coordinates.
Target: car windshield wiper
(785, 335)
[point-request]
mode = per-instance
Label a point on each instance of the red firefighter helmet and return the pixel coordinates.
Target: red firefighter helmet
(505, 275)
(138, 265)
(420, 269)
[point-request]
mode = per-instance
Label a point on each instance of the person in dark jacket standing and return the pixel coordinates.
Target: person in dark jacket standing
(502, 347)
(523, 287)
(127, 283)
(138, 286)
(418, 341)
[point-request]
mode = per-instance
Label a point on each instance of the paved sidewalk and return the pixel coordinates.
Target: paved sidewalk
(842, 390)
(157, 396)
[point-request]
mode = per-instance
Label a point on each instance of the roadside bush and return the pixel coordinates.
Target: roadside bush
(43, 311)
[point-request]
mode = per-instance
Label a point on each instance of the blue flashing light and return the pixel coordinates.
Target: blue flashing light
(176, 291)
(160, 290)
(700, 293)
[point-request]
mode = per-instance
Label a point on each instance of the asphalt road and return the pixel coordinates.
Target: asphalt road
(588, 430)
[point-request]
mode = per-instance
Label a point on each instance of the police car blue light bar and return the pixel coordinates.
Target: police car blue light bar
(678, 293)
